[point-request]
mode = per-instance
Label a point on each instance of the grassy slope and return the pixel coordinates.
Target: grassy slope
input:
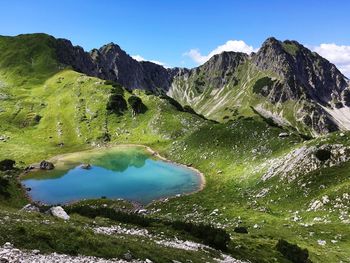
(73, 112)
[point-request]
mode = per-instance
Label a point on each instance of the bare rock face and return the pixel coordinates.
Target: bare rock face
(57, 211)
(75, 57)
(303, 73)
(110, 62)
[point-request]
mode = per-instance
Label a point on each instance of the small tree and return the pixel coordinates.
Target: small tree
(136, 105)
(7, 164)
(116, 104)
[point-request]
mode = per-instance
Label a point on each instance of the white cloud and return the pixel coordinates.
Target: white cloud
(140, 58)
(338, 55)
(231, 45)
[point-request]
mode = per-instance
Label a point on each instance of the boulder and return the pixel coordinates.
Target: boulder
(7, 245)
(86, 166)
(128, 256)
(57, 211)
(283, 134)
(45, 165)
(28, 168)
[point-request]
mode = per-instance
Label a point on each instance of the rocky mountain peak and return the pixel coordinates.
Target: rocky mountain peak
(225, 61)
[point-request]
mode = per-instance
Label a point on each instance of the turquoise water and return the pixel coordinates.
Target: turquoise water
(127, 174)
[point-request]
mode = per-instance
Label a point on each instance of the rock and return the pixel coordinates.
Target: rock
(128, 256)
(283, 134)
(28, 168)
(45, 165)
(36, 251)
(4, 138)
(86, 166)
(30, 208)
(4, 260)
(57, 211)
(321, 242)
(7, 245)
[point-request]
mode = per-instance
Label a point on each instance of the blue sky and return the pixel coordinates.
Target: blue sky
(165, 30)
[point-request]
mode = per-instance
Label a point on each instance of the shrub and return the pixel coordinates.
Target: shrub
(241, 230)
(261, 84)
(116, 104)
(110, 213)
(323, 154)
(4, 184)
(172, 102)
(216, 237)
(117, 88)
(188, 108)
(136, 105)
(7, 164)
(292, 252)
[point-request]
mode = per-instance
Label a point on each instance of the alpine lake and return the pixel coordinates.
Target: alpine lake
(123, 172)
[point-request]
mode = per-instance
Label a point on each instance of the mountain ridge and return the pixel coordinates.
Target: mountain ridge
(282, 81)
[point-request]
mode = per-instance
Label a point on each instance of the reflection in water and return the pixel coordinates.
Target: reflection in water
(128, 173)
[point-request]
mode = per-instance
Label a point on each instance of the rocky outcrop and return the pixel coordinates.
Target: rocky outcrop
(30, 208)
(307, 159)
(74, 56)
(110, 62)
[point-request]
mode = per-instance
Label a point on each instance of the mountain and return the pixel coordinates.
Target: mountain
(284, 82)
